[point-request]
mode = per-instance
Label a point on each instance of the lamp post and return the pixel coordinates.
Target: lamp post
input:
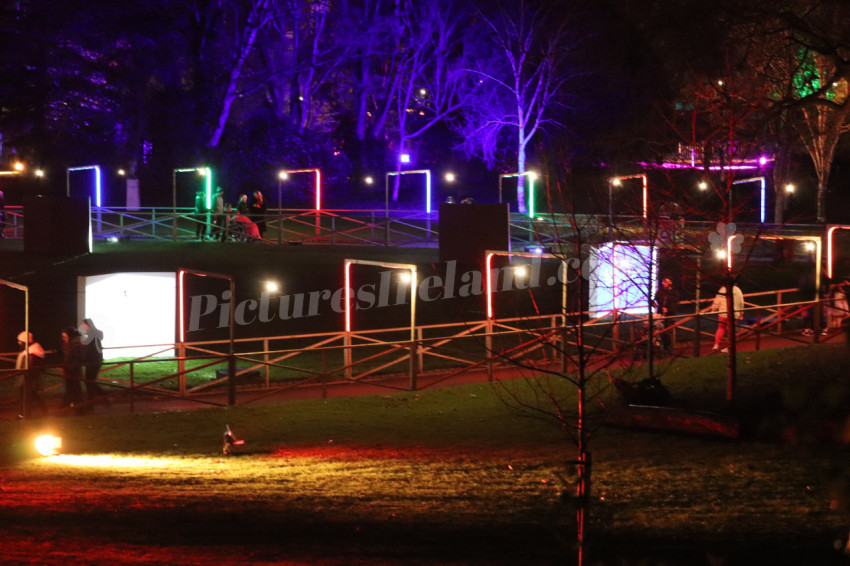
(618, 181)
(284, 174)
(349, 303)
(426, 172)
(281, 177)
(231, 358)
(761, 180)
(97, 184)
(532, 176)
(25, 400)
(203, 172)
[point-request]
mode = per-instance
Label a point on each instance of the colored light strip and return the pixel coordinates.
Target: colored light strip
(531, 178)
(830, 234)
(283, 172)
(744, 166)
(209, 179)
(763, 193)
(413, 290)
(97, 182)
(645, 189)
(180, 320)
(488, 262)
(426, 172)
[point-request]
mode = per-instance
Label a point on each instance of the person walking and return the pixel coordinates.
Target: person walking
(719, 306)
(30, 359)
(72, 368)
(90, 338)
(666, 305)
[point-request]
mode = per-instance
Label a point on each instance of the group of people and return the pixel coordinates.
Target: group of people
(82, 358)
(248, 218)
(667, 303)
(835, 310)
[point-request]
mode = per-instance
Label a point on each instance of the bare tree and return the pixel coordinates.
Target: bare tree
(521, 81)
(799, 50)
(433, 82)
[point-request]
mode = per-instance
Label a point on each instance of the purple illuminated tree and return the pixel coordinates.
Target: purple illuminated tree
(241, 21)
(432, 82)
(522, 75)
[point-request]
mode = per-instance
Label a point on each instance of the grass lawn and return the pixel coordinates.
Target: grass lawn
(449, 476)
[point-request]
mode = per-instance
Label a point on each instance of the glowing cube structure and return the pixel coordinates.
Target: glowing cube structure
(623, 277)
(137, 312)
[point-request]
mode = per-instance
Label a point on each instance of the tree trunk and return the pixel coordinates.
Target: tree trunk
(520, 183)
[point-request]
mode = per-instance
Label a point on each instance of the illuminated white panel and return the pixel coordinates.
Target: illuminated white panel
(620, 278)
(136, 312)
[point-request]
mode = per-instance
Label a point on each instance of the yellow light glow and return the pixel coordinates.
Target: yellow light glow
(125, 462)
(39, 172)
(721, 254)
(405, 277)
(201, 171)
(450, 177)
(520, 271)
(283, 175)
(789, 188)
(19, 166)
(48, 445)
(703, 185)
(616, 182)
(272, 286)
(121, 172)
(810, 246)
(369, 180)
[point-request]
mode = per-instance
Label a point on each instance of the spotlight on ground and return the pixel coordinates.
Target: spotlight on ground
(48, 445)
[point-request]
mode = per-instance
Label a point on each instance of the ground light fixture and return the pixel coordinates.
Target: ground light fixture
(48, 445)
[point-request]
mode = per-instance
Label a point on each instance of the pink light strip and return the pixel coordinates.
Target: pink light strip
(829, 239)
(181, 322)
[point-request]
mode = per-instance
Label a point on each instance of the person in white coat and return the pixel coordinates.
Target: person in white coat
(719, 306)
